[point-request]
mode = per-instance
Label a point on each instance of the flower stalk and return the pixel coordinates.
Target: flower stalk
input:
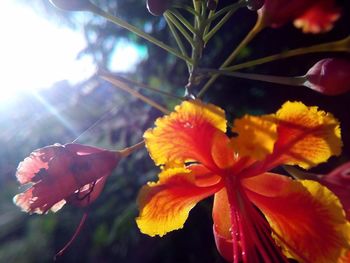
(259, 25)
(138, 32)
(291, 81)
(342, 45)
(123, 86)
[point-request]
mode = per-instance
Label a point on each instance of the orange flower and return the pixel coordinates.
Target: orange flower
(57, 174)
(258, 216)
(313, 16)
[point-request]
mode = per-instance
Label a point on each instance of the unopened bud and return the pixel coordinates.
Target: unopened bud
(157, 7)
(255, 5)
(72, 5)
(329, 76)
(211, 4)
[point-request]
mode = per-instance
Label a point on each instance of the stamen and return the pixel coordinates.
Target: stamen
(235, 230)
(251, 235)
(87, 195)
(264, 241)
(76, 233)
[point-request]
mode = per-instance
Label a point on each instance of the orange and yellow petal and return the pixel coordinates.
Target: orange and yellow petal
(319, 18)
(307, 219)
(165, 205)
(256, 136)
(222, 150)
(345, 258)
(221, 215)
(306, 136)
(186, 134)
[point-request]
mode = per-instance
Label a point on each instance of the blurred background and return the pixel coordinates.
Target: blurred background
(49, 94)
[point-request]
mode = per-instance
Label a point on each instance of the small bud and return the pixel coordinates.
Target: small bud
(72, 5)
(329, 76)
(157, 7)
(211, 4)
(255, 5)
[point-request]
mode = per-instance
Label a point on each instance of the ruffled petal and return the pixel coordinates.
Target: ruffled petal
(256, 135)
(29, 168)
(307, 219)
(319, 18)
(306, 135)
(186, 134)
(165, 205)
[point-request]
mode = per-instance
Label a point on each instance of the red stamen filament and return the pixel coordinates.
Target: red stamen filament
(251, 235)
(76, 233)
(270, 230)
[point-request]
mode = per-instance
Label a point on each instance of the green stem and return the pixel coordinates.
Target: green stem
(129, 150)
(225, 10)
(183, 20)
(299, 174)
(177, 38)
(138, 84)
(259, 25)
(185, 7)
(180, 28)
(342, 45)
(123, 86)
(217, 27)
(208, 22)
(197, 8)
(204, 9)
(197, 49)
(291, 81)
(138, 32)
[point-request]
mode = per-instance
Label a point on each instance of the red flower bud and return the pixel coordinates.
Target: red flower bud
(59, 174)
(212, 4)
(329, 76)
(157, 7)
(72, 5)
(255, 5)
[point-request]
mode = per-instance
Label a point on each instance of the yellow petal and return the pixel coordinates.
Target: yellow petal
(186, 134)
(306, 135)
(165, 205)
(256, 135)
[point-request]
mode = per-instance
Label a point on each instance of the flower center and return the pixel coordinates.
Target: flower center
(251, 233)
